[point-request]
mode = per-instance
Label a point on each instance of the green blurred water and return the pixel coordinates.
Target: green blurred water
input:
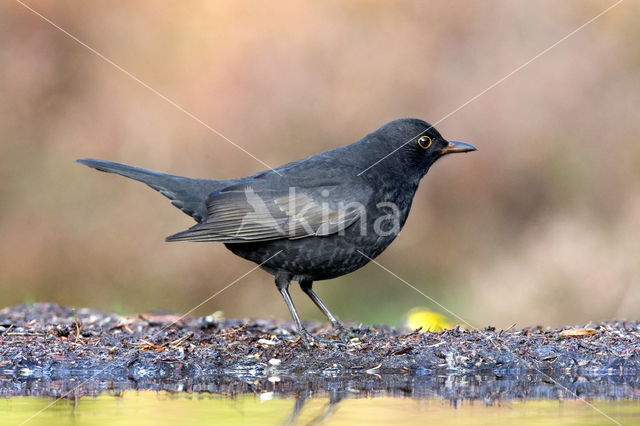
(148, 407)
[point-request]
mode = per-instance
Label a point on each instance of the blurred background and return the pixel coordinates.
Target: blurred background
(540, 226)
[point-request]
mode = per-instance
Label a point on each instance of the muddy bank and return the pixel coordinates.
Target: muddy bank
(46, 349)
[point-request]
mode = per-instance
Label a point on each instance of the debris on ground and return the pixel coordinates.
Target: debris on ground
(50, 350)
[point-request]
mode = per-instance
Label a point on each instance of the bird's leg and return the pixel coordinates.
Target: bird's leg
(282, 282)
(307, 287)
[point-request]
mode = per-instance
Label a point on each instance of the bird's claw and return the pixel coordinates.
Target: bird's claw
(339, 337)
(308, 341)
(341, 332)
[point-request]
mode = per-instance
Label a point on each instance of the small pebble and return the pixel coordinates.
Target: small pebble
(266, 396)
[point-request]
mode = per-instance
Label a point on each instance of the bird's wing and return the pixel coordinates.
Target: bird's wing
(252, 212)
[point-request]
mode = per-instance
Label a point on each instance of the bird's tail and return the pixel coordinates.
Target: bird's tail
(187, 194)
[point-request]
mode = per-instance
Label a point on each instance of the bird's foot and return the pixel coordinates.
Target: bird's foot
(307, 340)
(310, 341)
(338, 337)
(341, 332)
(337, 325)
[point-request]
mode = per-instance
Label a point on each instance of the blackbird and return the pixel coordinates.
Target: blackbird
(313, 219)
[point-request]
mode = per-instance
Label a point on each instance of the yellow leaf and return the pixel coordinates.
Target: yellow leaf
(428, 320)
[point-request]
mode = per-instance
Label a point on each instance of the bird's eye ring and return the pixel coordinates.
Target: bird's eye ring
(424, 142)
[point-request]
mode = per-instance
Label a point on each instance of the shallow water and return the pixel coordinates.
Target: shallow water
(244, 398)
(150, 407)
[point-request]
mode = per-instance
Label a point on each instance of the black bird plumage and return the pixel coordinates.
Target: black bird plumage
(316, 218)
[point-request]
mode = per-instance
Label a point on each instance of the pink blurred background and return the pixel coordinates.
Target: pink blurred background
(540, 226)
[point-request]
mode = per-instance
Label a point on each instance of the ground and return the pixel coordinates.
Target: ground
(50, 350)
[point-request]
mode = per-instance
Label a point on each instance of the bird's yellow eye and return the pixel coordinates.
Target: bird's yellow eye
(424, 142)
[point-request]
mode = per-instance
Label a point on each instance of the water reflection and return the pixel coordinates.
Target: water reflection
(148, 407)
(488, 388)
(326, 412)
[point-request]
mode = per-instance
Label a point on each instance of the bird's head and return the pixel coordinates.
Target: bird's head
(411, 146)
